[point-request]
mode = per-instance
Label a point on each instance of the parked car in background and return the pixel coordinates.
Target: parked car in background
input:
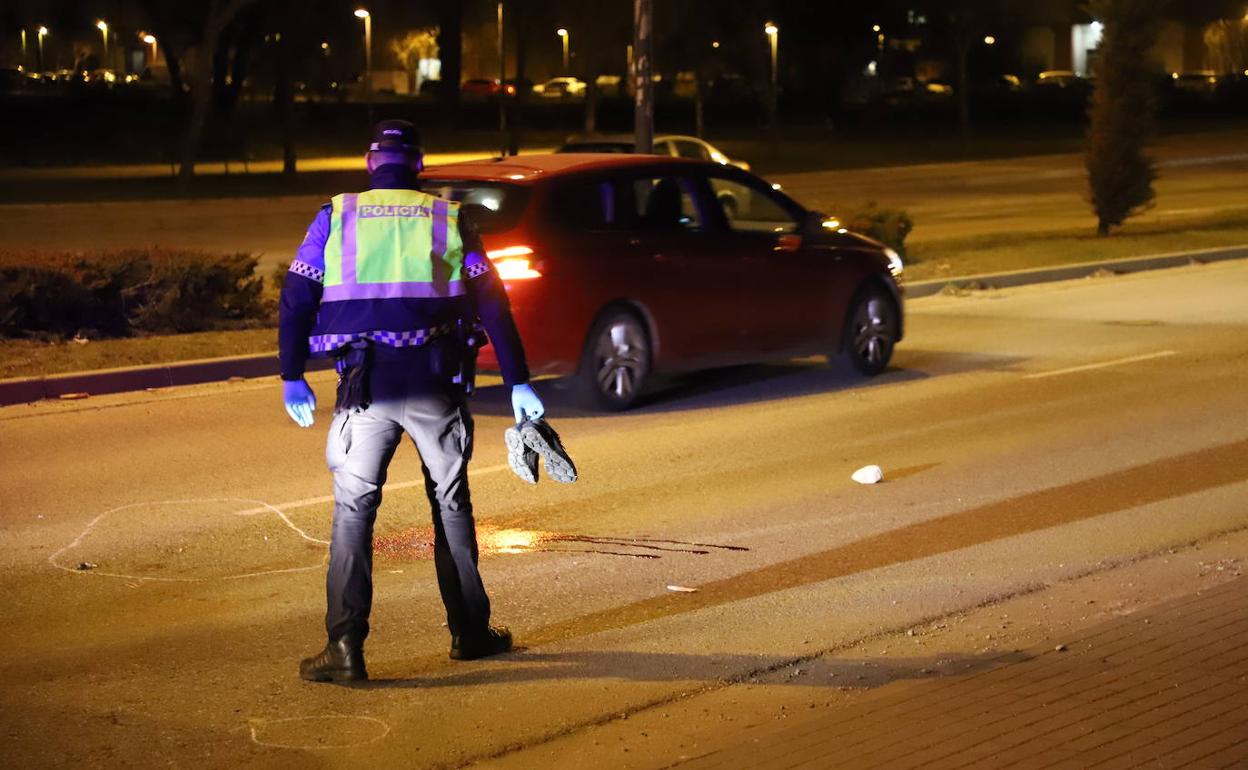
(1060, 79)
(1199, 83)
(15, 80)
(560, 88)
(664, 144)
(485, 88)
(622, 266)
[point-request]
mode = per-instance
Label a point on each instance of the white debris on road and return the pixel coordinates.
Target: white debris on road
(868, 474)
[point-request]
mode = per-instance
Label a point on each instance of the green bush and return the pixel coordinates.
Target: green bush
(277, 278)
(120, 293)
(888, 226)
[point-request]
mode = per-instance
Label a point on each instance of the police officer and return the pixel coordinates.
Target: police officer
(385, 281)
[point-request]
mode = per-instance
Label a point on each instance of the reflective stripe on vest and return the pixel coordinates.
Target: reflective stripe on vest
(386, 244)
(330, 343)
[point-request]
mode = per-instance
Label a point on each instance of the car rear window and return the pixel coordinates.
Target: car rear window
(587, 205)
(505, 203)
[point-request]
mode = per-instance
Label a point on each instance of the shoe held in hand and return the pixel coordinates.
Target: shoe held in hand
(520, 457)
(542, 439)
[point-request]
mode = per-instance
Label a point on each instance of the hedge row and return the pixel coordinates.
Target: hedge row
(125, 292)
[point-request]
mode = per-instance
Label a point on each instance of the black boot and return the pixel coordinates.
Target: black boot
(493, 641)
(342, 660)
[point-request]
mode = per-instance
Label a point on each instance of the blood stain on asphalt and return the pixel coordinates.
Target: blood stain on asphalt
(417, 543)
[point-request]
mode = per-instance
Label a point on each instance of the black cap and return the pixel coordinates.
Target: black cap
(395, 136)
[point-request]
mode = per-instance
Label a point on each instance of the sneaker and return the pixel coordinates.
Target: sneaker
(494, 641)
(541, 438)
(340, 661)
(522, 459)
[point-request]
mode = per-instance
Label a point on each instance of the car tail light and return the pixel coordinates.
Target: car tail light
(513, 263)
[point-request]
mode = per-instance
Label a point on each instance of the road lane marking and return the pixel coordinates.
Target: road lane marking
(1101, 365)
(310, 501)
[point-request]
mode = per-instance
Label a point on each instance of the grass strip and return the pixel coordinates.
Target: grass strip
(1001, 252)
(29, 358)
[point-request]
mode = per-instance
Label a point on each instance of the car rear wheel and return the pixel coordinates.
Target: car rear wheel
(616, 362)
(871, 331)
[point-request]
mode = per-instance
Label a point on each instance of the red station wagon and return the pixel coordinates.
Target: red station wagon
(621, 266)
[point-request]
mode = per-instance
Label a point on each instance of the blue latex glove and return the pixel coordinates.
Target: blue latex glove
(525, 403)
(300, 401)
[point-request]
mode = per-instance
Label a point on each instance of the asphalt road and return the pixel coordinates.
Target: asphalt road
(1202, 174)
(1026, 435)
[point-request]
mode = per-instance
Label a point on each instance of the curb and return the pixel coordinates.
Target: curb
(30, 389)
(1071, 272)
(99, 383)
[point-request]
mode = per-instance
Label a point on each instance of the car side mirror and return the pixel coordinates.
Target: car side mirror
(788, 242)
(814, 222)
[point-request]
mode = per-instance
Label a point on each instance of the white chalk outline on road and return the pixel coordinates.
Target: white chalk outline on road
(309, 501)
(254, 723)
(264, 507)
(1101, 365)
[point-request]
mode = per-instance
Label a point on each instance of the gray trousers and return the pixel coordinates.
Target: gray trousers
(360, 446)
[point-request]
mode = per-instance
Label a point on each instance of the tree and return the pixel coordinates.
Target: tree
(412, 46)
(451, 47)
(192, 35)
(963, 24)
(1123, 111)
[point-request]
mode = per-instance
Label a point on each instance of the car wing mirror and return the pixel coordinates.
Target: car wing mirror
(788, 242)
(814, 222)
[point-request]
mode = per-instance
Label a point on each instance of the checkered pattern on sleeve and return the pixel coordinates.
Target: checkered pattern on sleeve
(307, 271)
(328, 343)
(478, 268)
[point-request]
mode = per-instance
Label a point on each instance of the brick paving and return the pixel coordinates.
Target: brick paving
(1166, 687)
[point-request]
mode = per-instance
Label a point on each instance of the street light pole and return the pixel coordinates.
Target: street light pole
(23, 46)
(502, 84)
(563, 33)
(150, 39)
(643, 82)
(102, 26)
(773, 106)
(43, 32)
(367, 18)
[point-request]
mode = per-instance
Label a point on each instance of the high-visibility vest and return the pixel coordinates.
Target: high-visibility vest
(388, 244)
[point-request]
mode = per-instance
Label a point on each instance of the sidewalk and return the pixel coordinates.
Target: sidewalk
(1167, 687)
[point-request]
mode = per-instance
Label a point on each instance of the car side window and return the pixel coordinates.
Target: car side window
(663, 148)
(587, 206)
(666, 203)
(751, 209)
(687, 149)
